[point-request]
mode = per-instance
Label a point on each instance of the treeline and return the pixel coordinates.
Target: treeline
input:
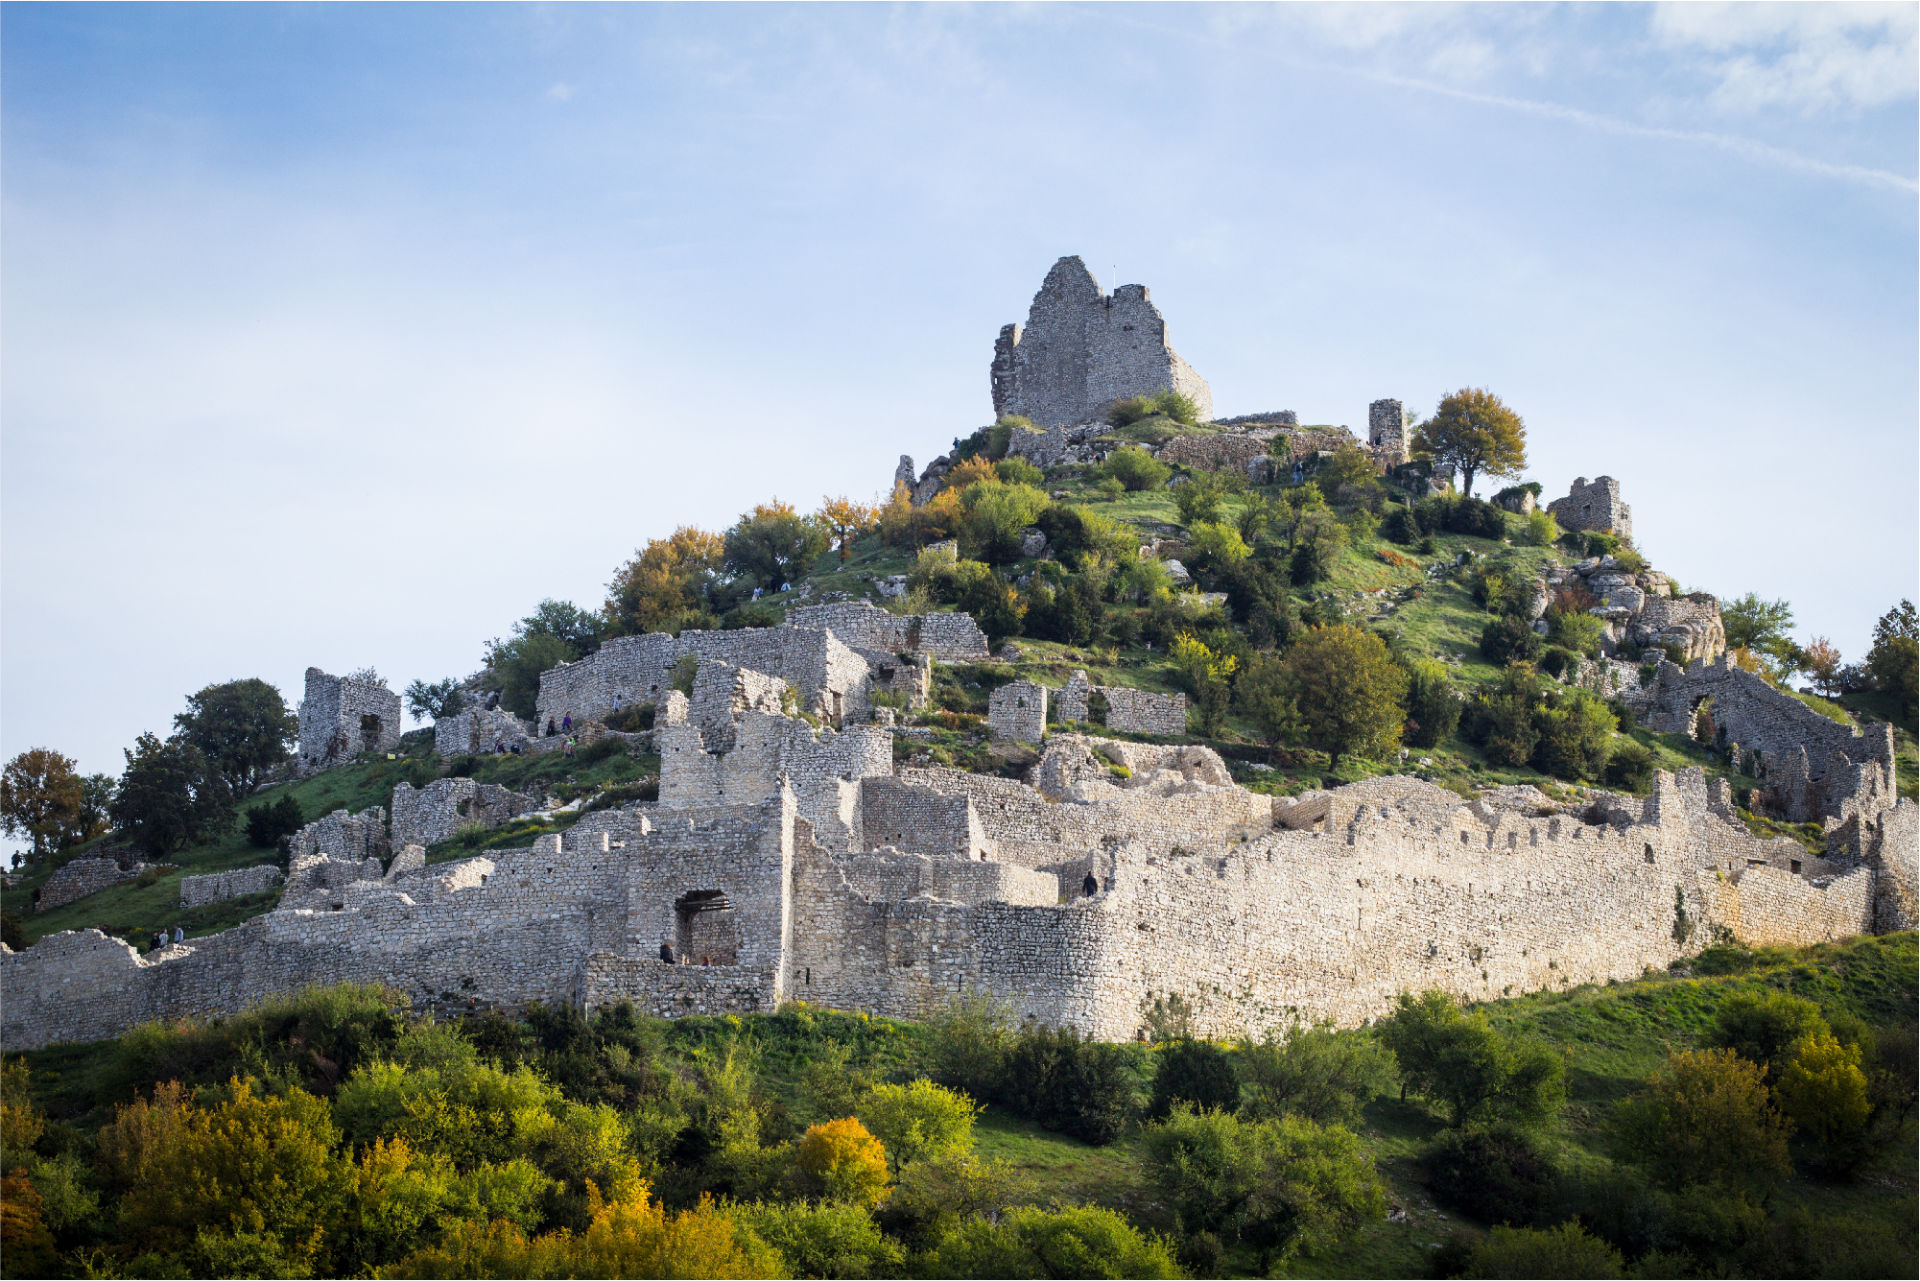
(334, 1133)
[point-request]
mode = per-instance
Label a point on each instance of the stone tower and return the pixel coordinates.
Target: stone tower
(1082, 349)
(1387, 432)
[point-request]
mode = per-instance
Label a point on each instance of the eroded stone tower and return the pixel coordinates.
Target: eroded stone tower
(1082, 349)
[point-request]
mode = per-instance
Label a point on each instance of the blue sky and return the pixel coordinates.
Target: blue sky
(342, 335)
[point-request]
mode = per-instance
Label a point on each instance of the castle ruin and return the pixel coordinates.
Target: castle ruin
(785, 861)
(341, 717)
(1083, 349)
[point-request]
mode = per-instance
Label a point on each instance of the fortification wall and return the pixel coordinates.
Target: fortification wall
(77, 878)
(950, 638)
(1753, 713)
(196, 891)
(1594, 505)
(438, 811)
(478, 729)
(822, 767)
(343, 835)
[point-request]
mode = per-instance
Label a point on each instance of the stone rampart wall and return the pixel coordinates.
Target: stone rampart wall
(438, 811)
(477, 729)
(950, 638)
(77, 878)
(241, 881)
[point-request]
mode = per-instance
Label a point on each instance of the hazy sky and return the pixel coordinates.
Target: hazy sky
(342, 335)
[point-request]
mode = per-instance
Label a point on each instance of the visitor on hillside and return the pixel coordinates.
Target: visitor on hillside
(496, 747)
(616, 704)
(666, 953)
(551, 729)
(566, 723)
(569, 749)
(179, 935)
(1090, 885)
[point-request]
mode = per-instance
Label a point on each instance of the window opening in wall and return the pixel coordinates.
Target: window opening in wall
(1649, 852)
(1796, 864)
(705, 930)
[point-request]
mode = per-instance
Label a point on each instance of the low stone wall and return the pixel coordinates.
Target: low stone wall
(438, 811)
(196, 891)
(480, 729)
(80, 877)
(1018, 711)
(344, 835)
(1212, 452)
(1133, 710)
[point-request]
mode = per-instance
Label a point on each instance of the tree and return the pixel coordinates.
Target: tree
(1764, 1027)
(1350, 694)
(1318, 539)
(919, 1120)
(1458, 1060)
(773, 545)
(1319, 1072)
(1194, 1071)
(1509, 639)
(1473, 432)
(1823, 1091)
(435, 699)
(1199, 500)
(1823, 664)
(42, 798)
(1209, 678)
(1763, 628)
(846, 520)
(844, 1161)
(556, 632)
(1566, 1251)
(1433, 705)
(1894, 660)
(242, 727)
(1576, 735)
(170, 796)
(266, 824)
(1502, 719)
(662, 588)
(1283, 1186)
(1705, 1117)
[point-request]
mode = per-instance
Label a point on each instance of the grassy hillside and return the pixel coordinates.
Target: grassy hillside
(665, 1093)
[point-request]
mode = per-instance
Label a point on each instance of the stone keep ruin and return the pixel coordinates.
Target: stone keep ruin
(341, 717)
(1083, 349)
(786, 861)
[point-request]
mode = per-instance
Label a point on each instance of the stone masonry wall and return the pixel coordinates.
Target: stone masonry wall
(1387, 434)
(950, 638)
(476, 729)
(333, 725)
(343, 835)
(1018, 711)
(438, 811)
(1081, 350)
(80, 877)
(241, 881)
(1594, 505)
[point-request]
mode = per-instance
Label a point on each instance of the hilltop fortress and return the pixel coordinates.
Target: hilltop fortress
(800, 848)
(788, 862)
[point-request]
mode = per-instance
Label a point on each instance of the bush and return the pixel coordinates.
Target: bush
(1576, 734)
(1566, 1251)
(843, 1162)
(1629, 766)
(1082, 1088)
(1135, 468)
(1539, 530)
(1284, 1187)
(1558, 660)
(1198, 501)
(1496, 1173)
(1705, 1118)
(1433, 705)
(1161, 404)
(1320, 1073)
(1577, 631)
(1076, 1241)
(1501, 719)
(968, 1044)
(1823, 1091)
(1459, 1061)
(1456, 515)
(1765, 1027)
(919, 1120)
(1018, 471)
(1510, 639)
(1196, 1072)
(827, 1239)
(266, 824)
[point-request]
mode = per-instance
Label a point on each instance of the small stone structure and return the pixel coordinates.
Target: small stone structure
(1216, 451)
(438, 811)
(197, 891)
(474, 730)
(340, 717)
(77, 878)
(1387, 434)
(1083, 349)
(1136, 711)
(1594, 505)
(1018, 711)
(358, 837)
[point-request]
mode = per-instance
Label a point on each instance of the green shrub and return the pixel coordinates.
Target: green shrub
(1167, 404)
(1629, 766)
(1079, 1087)
(1320, 1073)
(1496, 1173)
(1135, 468)
(1566, 1251)
(1076, 1241)
(1433, 705)
(1576, 734)
(1459, 1061)
(1764, 1027)
(266, 824)
(1577, 631)
(1018, 471)
(1197, 1072)
(824, 1239)
(1510, 639)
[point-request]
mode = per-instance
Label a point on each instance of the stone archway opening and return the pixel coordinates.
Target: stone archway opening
(705, 932)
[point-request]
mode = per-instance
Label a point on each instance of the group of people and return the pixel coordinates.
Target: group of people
(668, 955)
(503, 748)
(160, 938)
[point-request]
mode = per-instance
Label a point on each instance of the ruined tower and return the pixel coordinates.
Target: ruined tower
(1387, 432)
(1082, 349)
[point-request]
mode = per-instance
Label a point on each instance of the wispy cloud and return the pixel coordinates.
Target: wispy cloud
(1745, 147)
(1806, 57)
(560, 92)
